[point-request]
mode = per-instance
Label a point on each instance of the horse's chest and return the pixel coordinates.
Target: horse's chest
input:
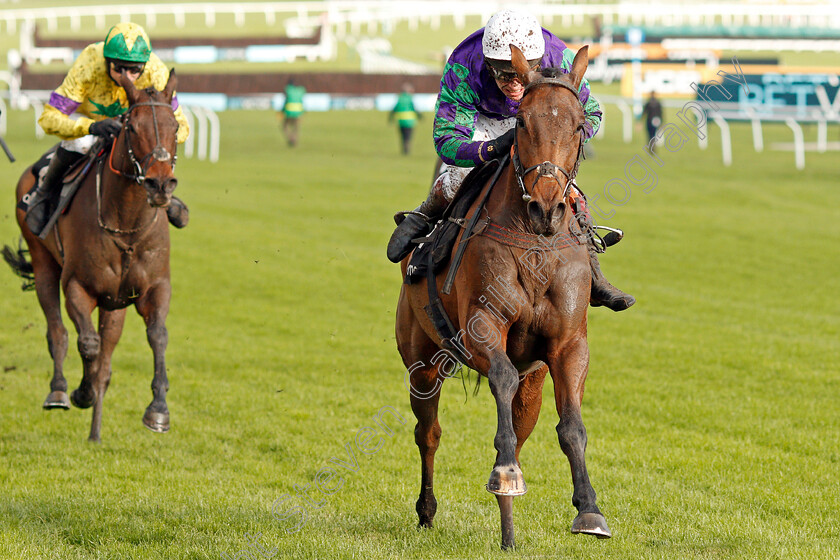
(122, 280)
(552, 313)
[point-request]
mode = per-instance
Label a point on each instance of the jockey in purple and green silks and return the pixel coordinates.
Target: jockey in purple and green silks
(468, 92)
(91, 91)
(475, 117)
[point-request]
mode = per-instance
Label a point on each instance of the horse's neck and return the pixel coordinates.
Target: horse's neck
(505, 205)
(123, 204)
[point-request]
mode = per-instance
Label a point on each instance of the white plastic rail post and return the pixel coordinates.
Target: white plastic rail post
(798, 142)
(725, 140)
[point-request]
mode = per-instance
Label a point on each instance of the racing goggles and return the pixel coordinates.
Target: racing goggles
(502, 71)
(128, 67)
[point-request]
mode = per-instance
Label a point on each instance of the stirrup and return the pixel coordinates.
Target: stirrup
(399, 217)
(613, 236)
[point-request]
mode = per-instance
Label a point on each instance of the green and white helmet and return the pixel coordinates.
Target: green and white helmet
(127, 41)
(510, 26)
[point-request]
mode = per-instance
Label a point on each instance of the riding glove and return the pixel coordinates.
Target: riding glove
(495, 149)
(106, 128)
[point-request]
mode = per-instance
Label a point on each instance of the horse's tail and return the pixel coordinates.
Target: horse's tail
(20, 265)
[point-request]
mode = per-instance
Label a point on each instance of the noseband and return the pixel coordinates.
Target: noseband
(546, 168)
(159, 153)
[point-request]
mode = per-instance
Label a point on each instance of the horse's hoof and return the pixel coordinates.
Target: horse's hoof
(507, 481)
(79, 402)
(57, 399)
(591, 524)
(156, 421)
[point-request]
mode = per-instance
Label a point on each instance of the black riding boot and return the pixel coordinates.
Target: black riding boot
(40, 203)
(178, 213)
(602, 292)
(414, 224)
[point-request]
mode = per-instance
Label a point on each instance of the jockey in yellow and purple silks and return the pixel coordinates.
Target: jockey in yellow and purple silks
(91, 90)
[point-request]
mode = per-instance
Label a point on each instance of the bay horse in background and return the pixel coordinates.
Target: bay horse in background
(110, 250)
(521, 312)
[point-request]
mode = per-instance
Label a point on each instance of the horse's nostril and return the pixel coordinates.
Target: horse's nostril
(558, 211)
(535, 212)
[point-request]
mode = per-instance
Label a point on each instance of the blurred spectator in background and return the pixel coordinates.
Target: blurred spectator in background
(652, 111)
(292, 110)
(406, 116)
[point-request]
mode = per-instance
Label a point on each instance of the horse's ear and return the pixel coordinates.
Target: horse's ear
(128, 86)
(520, 64)
(579, 66)
(171, 85)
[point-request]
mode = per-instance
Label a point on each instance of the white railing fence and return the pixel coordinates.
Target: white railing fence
(353, 15)
(725, 113)
(205, 133)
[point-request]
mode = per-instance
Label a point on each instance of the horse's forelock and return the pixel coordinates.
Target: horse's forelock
(552, 72)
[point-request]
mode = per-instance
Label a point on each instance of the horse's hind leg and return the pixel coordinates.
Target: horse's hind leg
(425, 395)
(154, 307)
(48, 287)
(110, 329)
(527, 402)
(424, 387)
(79, 306)
(569, 366)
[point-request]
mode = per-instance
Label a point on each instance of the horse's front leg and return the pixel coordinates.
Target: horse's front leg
(154, 307)
(569, 365)
(506, 478)
(80, 305)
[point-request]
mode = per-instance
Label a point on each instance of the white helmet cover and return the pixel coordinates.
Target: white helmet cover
(509, 26)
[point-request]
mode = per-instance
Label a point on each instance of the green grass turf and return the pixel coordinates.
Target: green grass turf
(712, 405)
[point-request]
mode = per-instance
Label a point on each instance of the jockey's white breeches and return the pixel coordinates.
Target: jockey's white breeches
(79, 145)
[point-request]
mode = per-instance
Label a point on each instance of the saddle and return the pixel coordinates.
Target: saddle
(70, 182)
(441, 239)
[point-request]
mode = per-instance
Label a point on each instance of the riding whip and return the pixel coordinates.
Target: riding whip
(7, 150)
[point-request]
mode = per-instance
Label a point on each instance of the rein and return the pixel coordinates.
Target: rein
(546, 168)
(159, 152)
(141, 167)
(115, 231)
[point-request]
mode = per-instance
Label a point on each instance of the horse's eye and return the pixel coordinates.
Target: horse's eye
(520, 122)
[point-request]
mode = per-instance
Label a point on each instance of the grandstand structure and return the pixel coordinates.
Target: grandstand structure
(668, 47)
(352, 15)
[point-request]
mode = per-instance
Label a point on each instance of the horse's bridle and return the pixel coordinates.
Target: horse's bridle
(159, 152)
(546, 168)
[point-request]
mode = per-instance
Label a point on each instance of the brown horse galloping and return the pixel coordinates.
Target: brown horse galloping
(111, 250)
(520, 312)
